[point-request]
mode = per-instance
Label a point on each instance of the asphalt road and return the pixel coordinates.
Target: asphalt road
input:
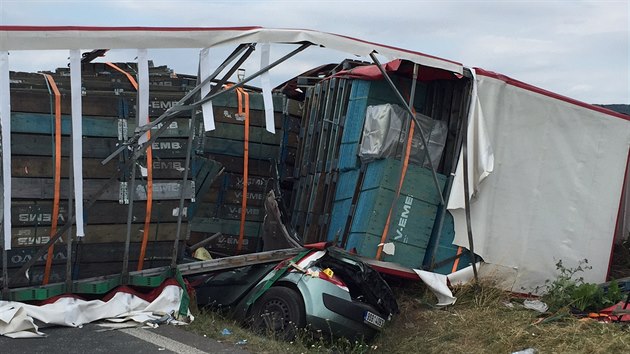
(93, 338)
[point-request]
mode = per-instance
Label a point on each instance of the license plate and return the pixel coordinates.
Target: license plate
(374, 319)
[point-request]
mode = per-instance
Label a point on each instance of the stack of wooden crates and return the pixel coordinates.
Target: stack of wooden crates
(108, 105)
(270, 165)
(109, 116)
(342, 199)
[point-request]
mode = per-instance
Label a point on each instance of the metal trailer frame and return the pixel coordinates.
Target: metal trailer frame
(191, 101)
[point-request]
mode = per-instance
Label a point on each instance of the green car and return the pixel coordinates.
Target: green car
(324, 289)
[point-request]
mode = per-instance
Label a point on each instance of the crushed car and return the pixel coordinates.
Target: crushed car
(324, 289)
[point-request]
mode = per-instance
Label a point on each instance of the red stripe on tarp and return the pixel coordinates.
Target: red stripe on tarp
(532, 88)
(622, 198)
(147, 296)
(399, 67)
(129, 28)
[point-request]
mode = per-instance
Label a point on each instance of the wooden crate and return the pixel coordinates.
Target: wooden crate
(413, 217)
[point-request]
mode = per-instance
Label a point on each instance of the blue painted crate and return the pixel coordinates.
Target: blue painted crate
(339, 218)
(348, 158)
(346, 184)
(355, 116)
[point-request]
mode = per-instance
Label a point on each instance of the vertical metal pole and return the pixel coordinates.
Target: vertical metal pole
(415, 119)
(5, 123)
(429, 261)
(180, 214)
(471, 247)
(132, 194)
(5, 275)
(69, 232)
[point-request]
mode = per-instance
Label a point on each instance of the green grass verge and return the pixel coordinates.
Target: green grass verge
(479, 322)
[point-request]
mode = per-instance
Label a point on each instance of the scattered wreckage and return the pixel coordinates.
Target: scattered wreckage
(419, 163)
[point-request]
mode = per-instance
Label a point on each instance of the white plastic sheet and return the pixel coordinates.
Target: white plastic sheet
(143, 92)
(437, 283)
(265, 84)
(75, 38)
(547, 177)
(382, 136)
(381, 131)
(205, 69)
(16, 318)
(77, 137)
(5, 122)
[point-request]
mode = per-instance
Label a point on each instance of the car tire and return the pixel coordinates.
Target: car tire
(279, 313)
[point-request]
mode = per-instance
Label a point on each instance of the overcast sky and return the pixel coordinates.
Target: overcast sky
(576, 48)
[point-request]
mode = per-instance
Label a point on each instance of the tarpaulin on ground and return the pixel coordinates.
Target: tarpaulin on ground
(123, 304)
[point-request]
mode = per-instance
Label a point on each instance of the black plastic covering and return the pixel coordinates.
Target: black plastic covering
(365, 284)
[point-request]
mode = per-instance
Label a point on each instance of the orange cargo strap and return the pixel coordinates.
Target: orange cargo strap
(128, 75)
(402, 179)
(147, 215)
(57, 178)
(456, 261)
(244, 111)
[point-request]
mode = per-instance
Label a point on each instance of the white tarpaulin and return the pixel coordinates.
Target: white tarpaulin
(5, 125)
(77, 137)
(16, 318)
(204, 72)
(77, 37)
(548, 175)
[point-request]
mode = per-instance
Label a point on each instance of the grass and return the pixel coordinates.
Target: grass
(479, 322)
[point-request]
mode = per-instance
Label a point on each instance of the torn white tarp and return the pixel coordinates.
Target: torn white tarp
(5, 124)
(204, 72)
(75, 37)
(546, 176)
(16, 318)
(77, 137)
(265, 84)
(437, 283)
(16, 323)
(143, 92)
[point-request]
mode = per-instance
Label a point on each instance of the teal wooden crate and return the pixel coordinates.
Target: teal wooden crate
(229, 147)
(411, 222)
(405, 254)
(446, 250)
(418, 181)
(224, 226)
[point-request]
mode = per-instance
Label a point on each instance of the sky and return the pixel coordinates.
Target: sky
(579, 49)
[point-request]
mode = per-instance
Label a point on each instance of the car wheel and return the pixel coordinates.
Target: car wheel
(279, 312)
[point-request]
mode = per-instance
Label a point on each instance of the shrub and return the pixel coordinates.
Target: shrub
(569, 290)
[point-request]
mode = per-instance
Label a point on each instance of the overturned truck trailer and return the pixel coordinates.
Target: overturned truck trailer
(416, 161)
